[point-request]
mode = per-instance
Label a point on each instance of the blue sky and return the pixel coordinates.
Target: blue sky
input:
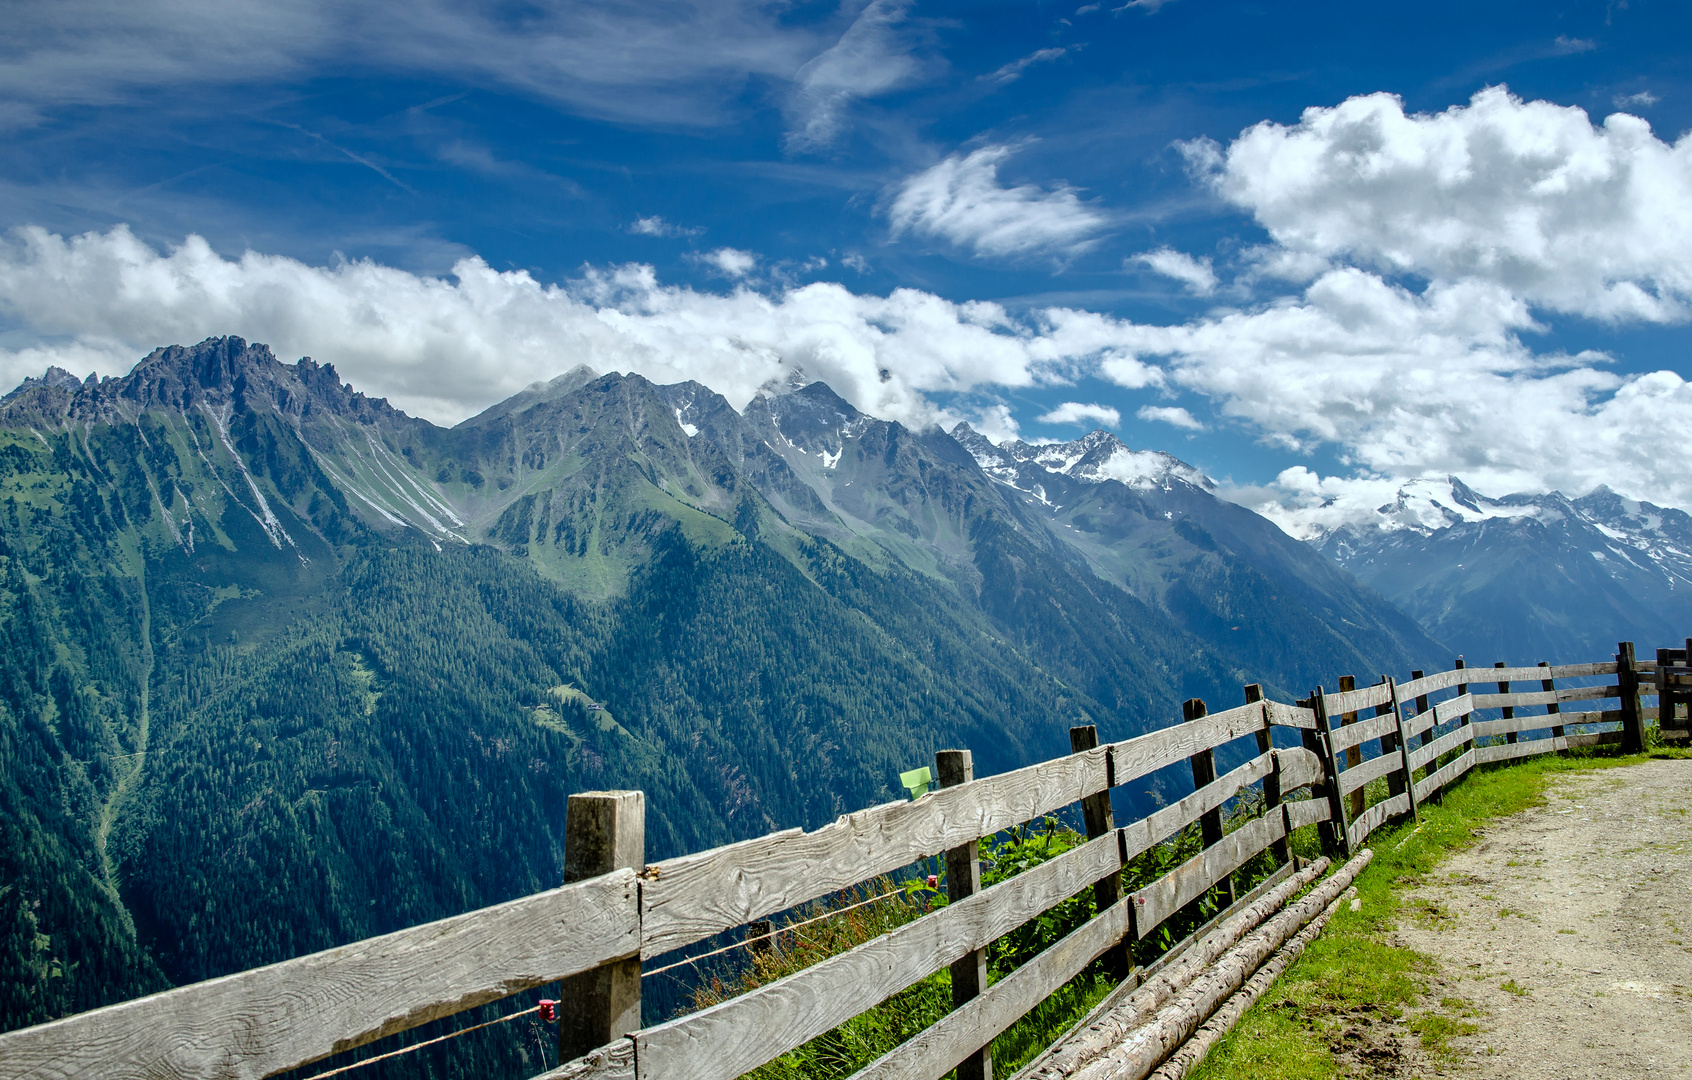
(980, 211)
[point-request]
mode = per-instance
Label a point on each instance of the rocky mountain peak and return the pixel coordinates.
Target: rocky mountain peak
(217, 373)
(534, 394)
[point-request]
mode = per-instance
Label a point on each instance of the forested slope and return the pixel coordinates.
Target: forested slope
(285, 668)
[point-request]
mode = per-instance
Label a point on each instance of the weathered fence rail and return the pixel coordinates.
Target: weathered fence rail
(618, 910)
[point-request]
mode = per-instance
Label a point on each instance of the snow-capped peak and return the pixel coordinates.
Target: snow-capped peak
(1100, 456)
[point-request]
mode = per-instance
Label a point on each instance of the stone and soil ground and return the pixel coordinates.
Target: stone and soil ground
(1537, 926)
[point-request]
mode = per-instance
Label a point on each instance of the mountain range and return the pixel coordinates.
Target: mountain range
(283, 667)
(1526, 577)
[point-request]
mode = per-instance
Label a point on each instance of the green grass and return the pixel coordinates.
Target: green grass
(1353, 973)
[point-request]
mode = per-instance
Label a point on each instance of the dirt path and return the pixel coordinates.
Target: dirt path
(1565, 936)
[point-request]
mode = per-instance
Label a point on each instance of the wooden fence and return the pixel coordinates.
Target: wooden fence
(1418, 736)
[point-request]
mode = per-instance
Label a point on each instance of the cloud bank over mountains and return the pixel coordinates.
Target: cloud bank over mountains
(1392, 314)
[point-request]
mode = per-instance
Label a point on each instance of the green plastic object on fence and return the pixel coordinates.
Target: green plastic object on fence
(916, 781)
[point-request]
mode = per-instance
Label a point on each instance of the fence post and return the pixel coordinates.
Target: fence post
(603, 831)
(1550, 686)
(760, 938)
(1335, 832)
(1665, 696)
(1271, 783)
(1402, 781)
(963, 878)
(1204, 772)
(1627, 680)
(1509, 711)
(1353, 754)
(1095, 811)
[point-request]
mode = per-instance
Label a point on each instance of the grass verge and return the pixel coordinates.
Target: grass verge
(1352, 975)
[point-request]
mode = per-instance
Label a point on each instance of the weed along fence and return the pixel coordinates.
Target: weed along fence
(1346, 762)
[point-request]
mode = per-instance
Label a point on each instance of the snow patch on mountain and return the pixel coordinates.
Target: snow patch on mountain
(1096, 457)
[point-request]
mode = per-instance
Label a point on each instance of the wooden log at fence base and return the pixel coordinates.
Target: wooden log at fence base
(1096, 815)
(603, 831)
(1182, 1063)
(963, 878)
(1145, 1048)
(1627, 681)
(1106, 1030)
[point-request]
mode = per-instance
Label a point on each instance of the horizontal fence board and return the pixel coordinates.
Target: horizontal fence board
(1451, 740)
(936, 1050)
(1358, 775)
(1157, 826)
(1136, 757)
(692, 897)
(1344, 738)
(1169, 893)
(1450, 771)
(1457, 707)
(1419, 723)
(1364, 697)
(1444, 680)
(1304, 812)
(1290, 715)
(614, 1061)
(279, 1017)
(1589, 693)
(1535, 674)
(736, 1036)
(1593, 738)
(1517, 700)
(1520, 748)
(1577, 671)
(1439, 680)
(1376, 816)
(1536, 722)
(1299, 768)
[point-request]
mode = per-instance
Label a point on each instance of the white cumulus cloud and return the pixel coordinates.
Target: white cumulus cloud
(1075, 412)
(1529, 196)
(445, 348)
(961, 201)
(730, 262)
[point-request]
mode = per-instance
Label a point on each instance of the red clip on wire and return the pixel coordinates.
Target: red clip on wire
(549, 1010)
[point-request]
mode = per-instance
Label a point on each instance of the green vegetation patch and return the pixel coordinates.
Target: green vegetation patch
(1328, 1005)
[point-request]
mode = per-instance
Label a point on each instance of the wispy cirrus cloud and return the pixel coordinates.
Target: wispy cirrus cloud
(871, 58)
(961, 201)
(1170, 414)
(1196, 274)
(1013, 70)
(657, 226)
(692, 61)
